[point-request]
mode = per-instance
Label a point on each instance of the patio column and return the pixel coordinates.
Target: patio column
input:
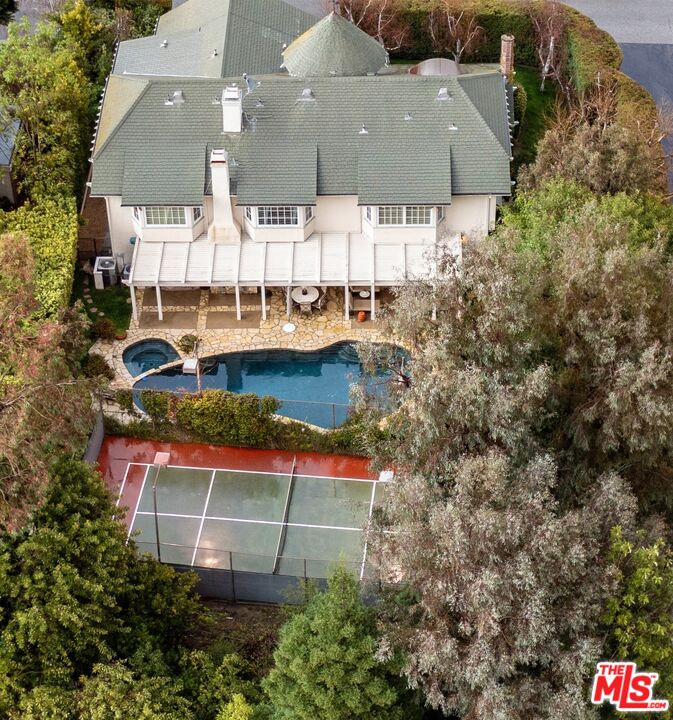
(262, 291)
(373, 300)
(288, 301)
(237, 290)
(346, 303)
(134, 303)
(159, 308)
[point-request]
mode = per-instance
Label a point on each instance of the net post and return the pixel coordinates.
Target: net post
(156, 516)
(233, 580)
(283, 526)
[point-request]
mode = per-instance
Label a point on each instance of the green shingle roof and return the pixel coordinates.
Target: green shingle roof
(334, 46)
(215, 38)
(291, 149)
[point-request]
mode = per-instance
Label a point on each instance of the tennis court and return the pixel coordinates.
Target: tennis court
(283, 523)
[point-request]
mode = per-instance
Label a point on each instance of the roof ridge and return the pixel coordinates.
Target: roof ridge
(120, 122)
(482, 120)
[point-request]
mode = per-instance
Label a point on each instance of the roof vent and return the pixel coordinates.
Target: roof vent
(443, 94)
(364, 131)
(164, 43)
(175, 98)
(250, 82)
(306, 95)
(215, 53)
(408, 116)
(259, 103)
(453, 127)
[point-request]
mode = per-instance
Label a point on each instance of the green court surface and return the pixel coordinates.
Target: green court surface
(254, 521)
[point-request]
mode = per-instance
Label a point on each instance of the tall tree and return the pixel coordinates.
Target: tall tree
(454, 28)
(326, 665)
(7, 9)
(74, 593)
(44, 407)
(506, 589)
(379, 18)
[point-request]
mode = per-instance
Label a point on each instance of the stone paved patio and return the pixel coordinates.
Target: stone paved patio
(312, 332)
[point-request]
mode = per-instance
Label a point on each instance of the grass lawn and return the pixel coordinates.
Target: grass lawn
(112, 301)
(540, 106)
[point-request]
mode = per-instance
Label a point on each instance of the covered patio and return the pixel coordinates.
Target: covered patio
(242, 274)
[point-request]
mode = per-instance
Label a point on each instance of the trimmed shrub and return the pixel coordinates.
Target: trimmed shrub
(95, 365)
(520, 104)
(156, 404)
(104, 329)
(187, 343)
(124, 398)
(51, 227)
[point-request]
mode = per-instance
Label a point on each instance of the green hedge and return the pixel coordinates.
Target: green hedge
(51, 226)
(245, 420)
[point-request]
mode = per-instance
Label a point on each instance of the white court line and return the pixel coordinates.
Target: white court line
(121, 489)
(264, 472)
(135, 512)
(253, 522)
(371, 509)
(203, 517)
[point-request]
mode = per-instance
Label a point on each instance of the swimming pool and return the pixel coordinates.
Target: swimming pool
(148, 355)
(312, 386)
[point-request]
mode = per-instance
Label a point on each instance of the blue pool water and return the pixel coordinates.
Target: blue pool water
(312, 386)
(148, 355)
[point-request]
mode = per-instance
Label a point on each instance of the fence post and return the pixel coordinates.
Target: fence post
(233, 581)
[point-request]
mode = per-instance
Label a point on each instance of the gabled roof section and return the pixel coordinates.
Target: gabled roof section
(270, 175)
(160, 176)
(121, 94)
(383, 176)
(215, 38)
(487, 91)
(8, 142)
(334, 47)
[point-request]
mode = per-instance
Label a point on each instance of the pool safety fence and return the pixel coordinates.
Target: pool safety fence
(326, 415)
(248, 577)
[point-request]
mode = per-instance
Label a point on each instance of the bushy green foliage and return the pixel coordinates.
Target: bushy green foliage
(51, 227)
(187, 343)
(74, 593)
(236, 709)
(103, 329)
(95, 365)
(326, 665)
(639, 617)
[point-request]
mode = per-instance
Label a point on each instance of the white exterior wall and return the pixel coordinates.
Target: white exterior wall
(472, 215)
(120, 223)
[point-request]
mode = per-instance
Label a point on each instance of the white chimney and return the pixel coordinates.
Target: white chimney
(232, 109)
(223, 227)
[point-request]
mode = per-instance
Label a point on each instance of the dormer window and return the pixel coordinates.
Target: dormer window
(167, 216)
(279, 215)
(395, 215)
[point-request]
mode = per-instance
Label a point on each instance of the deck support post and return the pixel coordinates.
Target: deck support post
(346, 303)
(237, 289)
(262, 291)
(288, 301)
(134, 303)
(160, 309)
(373, 299)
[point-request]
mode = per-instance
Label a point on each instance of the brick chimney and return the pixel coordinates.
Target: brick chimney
(507, 56)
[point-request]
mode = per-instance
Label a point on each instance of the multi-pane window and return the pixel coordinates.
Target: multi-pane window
(308, 213)
(137, 213)
(391, 215)
(440, 213)
(417, 215)
(197, 213)
(401, 215)
(165, 216)
(368, 213)
(277, 215)
(248, 212)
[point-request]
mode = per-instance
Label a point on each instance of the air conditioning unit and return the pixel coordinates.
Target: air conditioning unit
(104, 272)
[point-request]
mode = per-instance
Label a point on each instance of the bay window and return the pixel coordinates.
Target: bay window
(167, 216)
(397, 215)
(277, 215)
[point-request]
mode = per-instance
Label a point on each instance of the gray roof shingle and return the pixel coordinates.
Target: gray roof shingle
(287, 143)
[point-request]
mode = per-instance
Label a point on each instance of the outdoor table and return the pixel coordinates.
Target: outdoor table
(305, 295)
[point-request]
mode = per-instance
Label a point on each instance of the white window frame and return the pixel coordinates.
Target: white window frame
(197, 214)
(403, 212)
(248, 213)
(277, 216)
(309, 214)
(368, 214)
(151, 210)
(441, 213)
(137, 213)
